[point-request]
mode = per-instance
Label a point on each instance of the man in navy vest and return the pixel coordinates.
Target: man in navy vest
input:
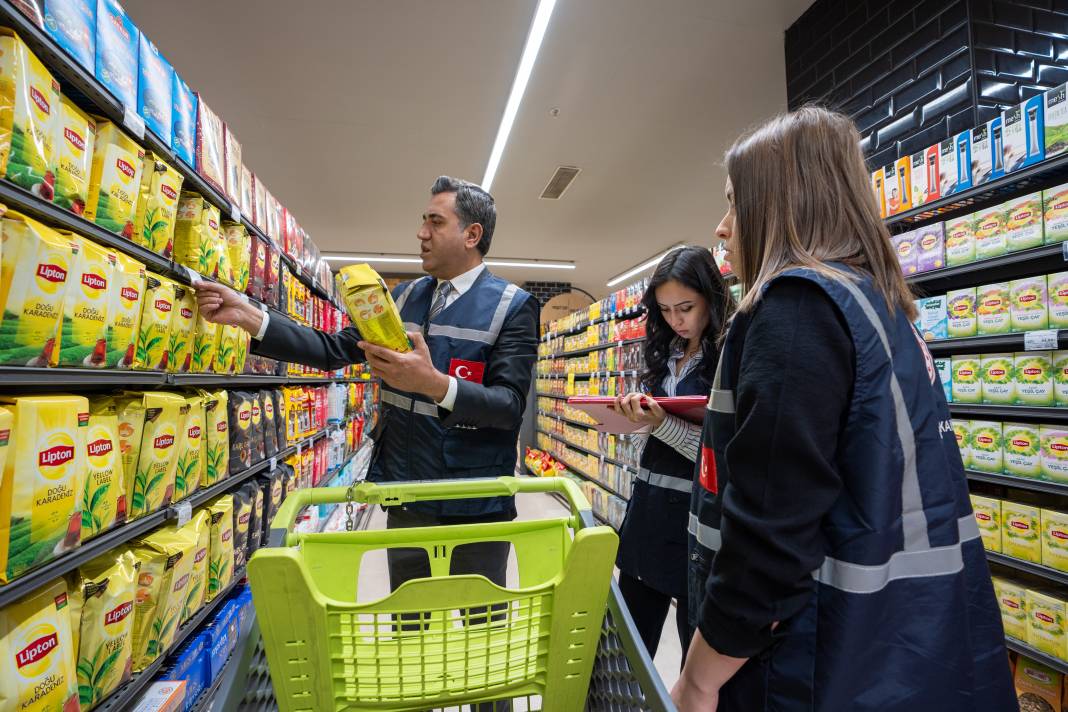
(452, 407)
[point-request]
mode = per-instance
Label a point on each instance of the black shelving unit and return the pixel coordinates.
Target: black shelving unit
(1045, 572)
(1014, 265)
(590, 349)
(578, 376)
(566, 420)
(551, 395)
(558, 438)
(22, 377)
(1018, 482)
(999, 343)
(623, 314)
(1037, 655)
(1010, 413)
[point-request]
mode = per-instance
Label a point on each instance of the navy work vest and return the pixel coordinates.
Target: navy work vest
(903, 616)
(652, 540)
(411, 443)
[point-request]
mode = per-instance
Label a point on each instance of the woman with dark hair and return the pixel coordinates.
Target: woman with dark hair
(835, 561)
(686, 305)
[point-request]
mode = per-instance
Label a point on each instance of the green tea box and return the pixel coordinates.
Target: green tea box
(1019, 531)
(1028, 306)
(996, 374)
(1055, 124)
(960, 307)
(1055, 539)
(944, 366)
(992, 309)
(1022, 446)
(1034, 378)
(988, 519)
(933, 320)
(1012, 600)
(967, 386)
(1054, 453)
(962, 431)
(990, 237)
(1060, 378)
(960, 241)
(1046, 616)
(1055, 213)
(987, 454)
(1023, 222)
(1057, 296)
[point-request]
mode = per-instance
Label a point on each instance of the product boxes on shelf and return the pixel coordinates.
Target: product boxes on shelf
(232, 154)
(988, 519)
(1047, 615)
(1015, 138)
(987, 454)
(28, 125)
(72, 24)
(1034, 378)
(83, 334)
(154, 86)
(960, 240)
(931, 244)
(1060, 378)
(1020, 531)
(37, 632)
(115, 180)
(899, 191)
(997, 147)
(1054, 539)
(990, 235)
(924, 173)
(116, 52)
(947, 167)
(982, 163)
(907, 252)
(1056, 118)
(962, 432)
(967, 387)
(933, 318)
(1023, 222)
(75, 140)
(211, 161)
(1012, 600)
(999, 386)
(157, 205)
(183, 120)
(963, 145)
(1038, 687)
(944, 366)
(960, 306)
(1055, 213)
(1022, 446)
(1057, 296)
(992, 309)
(162, 696)
(1054, 453)
(879, 189)
(1028, 307)
(1034, 120)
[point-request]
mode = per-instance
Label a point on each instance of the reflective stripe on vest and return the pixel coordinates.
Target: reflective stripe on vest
(655, 479)
(707, 536)
(405, 403)
(489, 336)
(721, 401)
(400, 301)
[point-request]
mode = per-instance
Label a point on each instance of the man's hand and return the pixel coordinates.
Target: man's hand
(221, 305)
(413, 371)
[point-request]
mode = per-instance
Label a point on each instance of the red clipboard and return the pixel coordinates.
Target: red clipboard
(609, 420)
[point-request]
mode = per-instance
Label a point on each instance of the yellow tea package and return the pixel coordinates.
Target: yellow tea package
(75, 139)
(6, 419)
(30, 96)
(124, 311)
(149, 461)
(226, 349)
(41, 488)
(371, 307)
(157, 312)
(157, 205)
(189, 468)
(115, 180)
(1012, 600)
(221, 564)
(216, 437)
(183, 323)
(1055, 539)
(1046, 616)
(196, 234)
(198, 529)
(103, 498)
(83, 335)
(239, 246)
(37, 645)
(242, 344)
(205, 336)
(225, 270)
(166, 559)
(105, 591)
(37, 265)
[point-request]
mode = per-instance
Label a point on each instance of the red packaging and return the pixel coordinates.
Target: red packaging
(210, 152)
(271, 276)
(257, 268)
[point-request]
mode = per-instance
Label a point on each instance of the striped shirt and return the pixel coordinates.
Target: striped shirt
(680, 435)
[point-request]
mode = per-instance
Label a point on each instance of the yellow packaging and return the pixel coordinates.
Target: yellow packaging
(205, 336)
(83, 335)
(1012, 601)
(41, 489)
(6, 419)
(242, 343)
(37, 647)
(38, 264)
(196, 234)
(198, 529)
(106, 591)
(157, 312)
(226, 269)
(124, 311)
(149, 462)
(189, 468)
(371, 307)
(1055, 539)
(183, 324)
(225, 349)
(238, 245)
(221, 565)
(1038, 688)
(216, 438)
(166, 569)
(1046, 616)
(988, 518)
(115, 180)
(157, 205)
(1020, 531)
(103, 498)
(30, 99)
(75, 139)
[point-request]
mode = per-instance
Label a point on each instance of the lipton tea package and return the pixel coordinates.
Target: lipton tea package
(189, 469)
(162, 585)
(75, 140)
(30, 96)
(124, 311)
(198, 530)
(221, 564)
(216, 438)
(115, 181)
(103, 498)
(150, 460)
(37, 645)
(183, 323)
(371, 307)
(157, 205)
(196, 234)
(157, 312)
(83, 339)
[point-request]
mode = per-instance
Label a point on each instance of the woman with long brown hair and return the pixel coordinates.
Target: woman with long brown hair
(835, 563)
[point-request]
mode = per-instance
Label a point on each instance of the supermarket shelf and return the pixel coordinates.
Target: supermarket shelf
(1048, 173)
(590, 349)
(563, 500)
(20, 376)
(551, 395)
(1018, 482)
(1026, 566)
(1011, 412)
(987, 344)
(586, 450)
(564, 376)
(1026, 263)
(567, 420)
(230, 675)
(623, 314)
(1037, 655)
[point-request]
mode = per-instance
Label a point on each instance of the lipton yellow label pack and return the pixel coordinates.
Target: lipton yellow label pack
(154, 334)
(37, 647)
(221, 565)
(41, 489)
(38, 264)
(205, 336)
(6, 420)
(226, 349)
(157, 205)
(75, 139)
(242, 343)
(196, 234)
(103, 498)
(30, 99)
(105, 592)
(371, 307)
(149, 461)
(198, 529)
(83, 340)
(115, 180)
(166, 560)
(238, 246)
(183, 326)
(124, 311)
(189, 468)
(216, 437)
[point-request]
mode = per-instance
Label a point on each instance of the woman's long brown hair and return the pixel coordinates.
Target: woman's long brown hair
(803, 198)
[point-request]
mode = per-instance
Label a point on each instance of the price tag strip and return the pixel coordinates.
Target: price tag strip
(184, 510)
(1045, 340)
(133, 122)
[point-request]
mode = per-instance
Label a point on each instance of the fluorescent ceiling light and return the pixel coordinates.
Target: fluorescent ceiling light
(649, 264)
(519, 86)
(533, 265)
(414, 260)
(372, 258)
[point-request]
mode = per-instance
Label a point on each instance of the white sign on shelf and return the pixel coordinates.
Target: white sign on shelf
(185, 513)
(235, 212)
(272, 464)
(194, 276)
(133, 122)
(1064, 251)
(1045, 340)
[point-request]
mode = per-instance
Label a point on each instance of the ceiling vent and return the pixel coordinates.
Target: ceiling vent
(559, 182)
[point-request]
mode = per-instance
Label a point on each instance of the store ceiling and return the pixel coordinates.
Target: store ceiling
(348, 109)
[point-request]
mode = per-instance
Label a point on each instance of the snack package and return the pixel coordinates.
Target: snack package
(149, 424)
(103, 498)
(211, 162)
(221, 564)
(960, 241)
(986, 447)
(41, 488)
(116, 52)
(154, 86)
(115, 180)
(198, 530)
(1023, 222)
(988, 519)
(28, 126)
(960, 305)
(1055, 213)
(1054, 453)
(35, 676)
(205, 337)
(124, 311)
(183, 322)
(157, 313)
(1034, 378)
(371, 307)
(196, 234)
(157, 206)
(238, 244)
(992, 309)
(232, 155)
(240, 411)
(990, 237)
(105, 590)
(1022, 446)
(242, 516)
(216, 440)
(166, 559)
(1028, 304)
(967, 385)
(83, 334)
(74, 143)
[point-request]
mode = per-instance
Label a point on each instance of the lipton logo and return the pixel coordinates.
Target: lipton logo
(163, 305)
(53, 273)
(75, 140)
(119, 613)
(94, 281)
(255, 411)
(1059, 447)
(243, 519)
(1028, 298)
(163, 442)
(1038, 675)
(99, 447)
(965, 372)
(125, 167)
(180, 583)
(961, 308)
(985, 439)
(1022, 526)
(194, 432)
(904, 248)
(983, 516)
(1032, 371)
(38, 98)
(245, 415)
(55, 456)
(1044, 617)
(168, 191)
(992, 303)
(1009, 603)
(129, 294)
(997, 372)
(1058, 534)
(200, 555)
(221, 427)
(36, 650)
(212, 224)
(1017, 442)
(186, 312)
(1060, 206)
(227, 534)
(1022, 216)
(928, 242)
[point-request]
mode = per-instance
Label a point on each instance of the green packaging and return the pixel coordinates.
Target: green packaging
(1054, 539)
(960, 304)
(1023, 222)
(1034, 378)
(1028, 308)
(1055, 213)
(988, 518)
(1060, 378)
(962, 431)
(996, 374)
(1057, 296)
(987, 454)
(1019, 531)
(967, 386)
(960, 241)
(990, 237)
(1022, 447)
(992, 309)
(1054, 453)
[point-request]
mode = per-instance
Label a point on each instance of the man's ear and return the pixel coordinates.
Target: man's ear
(473, 236)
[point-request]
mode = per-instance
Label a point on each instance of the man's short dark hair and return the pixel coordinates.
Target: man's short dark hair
(473, 205)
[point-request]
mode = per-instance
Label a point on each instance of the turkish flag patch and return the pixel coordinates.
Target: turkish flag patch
(467, 370)
(708, 470)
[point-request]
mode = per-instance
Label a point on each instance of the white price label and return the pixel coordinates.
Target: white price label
(1064, 251)
(185, 513)
(272, 464)
(235, 212)
(194, 276)
(1045, 340)
(133, 122)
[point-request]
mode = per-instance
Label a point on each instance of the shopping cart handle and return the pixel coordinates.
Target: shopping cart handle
(391, 494)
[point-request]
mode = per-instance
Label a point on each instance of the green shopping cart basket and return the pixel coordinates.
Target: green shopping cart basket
(326, 651)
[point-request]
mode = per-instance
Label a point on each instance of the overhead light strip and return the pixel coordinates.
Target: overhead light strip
(412, 259)
(519, 87)
(648, 264)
